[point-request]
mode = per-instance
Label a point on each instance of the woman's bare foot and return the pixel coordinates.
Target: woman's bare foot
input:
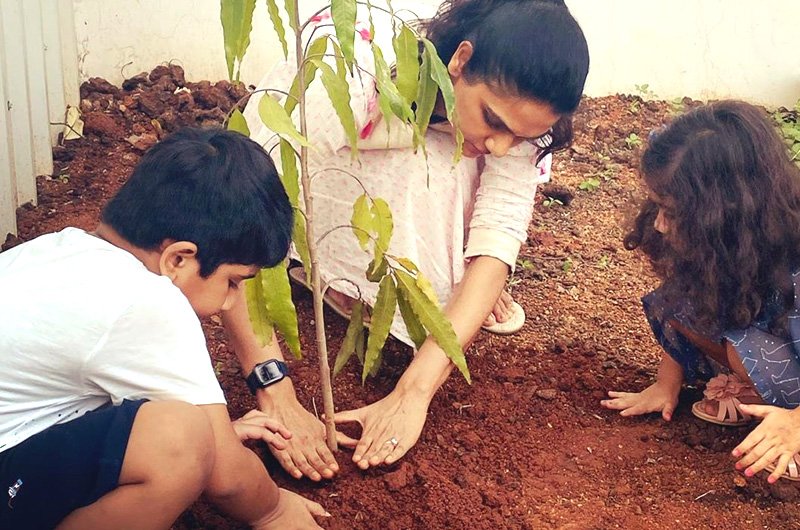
(502, 311)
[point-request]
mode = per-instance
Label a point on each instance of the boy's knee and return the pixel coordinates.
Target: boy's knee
(183, 442)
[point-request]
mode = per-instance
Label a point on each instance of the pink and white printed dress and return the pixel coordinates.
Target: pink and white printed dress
(475, 208)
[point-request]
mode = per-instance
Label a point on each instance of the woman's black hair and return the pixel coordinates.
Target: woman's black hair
(530, 48)
(216, 188)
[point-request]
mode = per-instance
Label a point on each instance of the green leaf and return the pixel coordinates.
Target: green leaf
(236, 17)
(406, 49)
(291, 10)
(339, 94)
(433, 318)
(277, 120)
(407, 264)
(291, 183)
(343, 13)
(354, 330)
(389, 99)
(237, 23)
(380, 324)
(441, 76)
(289, 173)
(257, 311)
(427, 89)
(277, 23)
(361, 345)
(299, 238)
(425, 286)
(315, 51)
(279, 305)
(361, 221)
(415, 329)
(382, 224)
(377, 270)
(237, 123)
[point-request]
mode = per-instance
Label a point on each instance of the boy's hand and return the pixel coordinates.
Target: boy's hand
(658, 397)
(774, 441)
(292, 513)
(307, 453)
(255, 425)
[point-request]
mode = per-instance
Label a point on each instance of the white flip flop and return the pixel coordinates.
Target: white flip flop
(510, 326)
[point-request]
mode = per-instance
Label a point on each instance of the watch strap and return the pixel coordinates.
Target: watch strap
(255, 380)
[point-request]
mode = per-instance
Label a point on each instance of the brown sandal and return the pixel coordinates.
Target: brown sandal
(792, 470)
(727, 390)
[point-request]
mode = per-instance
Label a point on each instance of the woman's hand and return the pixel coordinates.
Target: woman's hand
(659, 397)
(390, 427)
(255, 425)
(774, 441)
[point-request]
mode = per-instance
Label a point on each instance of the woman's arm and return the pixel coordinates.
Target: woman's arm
(392, 425)
(306, 452)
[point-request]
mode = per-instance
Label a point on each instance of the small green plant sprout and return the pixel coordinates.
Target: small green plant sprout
(633, 141)
(604, 261)
(526, 264)
(644, 91)
(635, 106)
(676, 106)
(789, 127)
(590, 184)
(406, 93)
(551, 201)
(567, 265)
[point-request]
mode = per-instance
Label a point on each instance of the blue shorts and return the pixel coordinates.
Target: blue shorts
(65, 467)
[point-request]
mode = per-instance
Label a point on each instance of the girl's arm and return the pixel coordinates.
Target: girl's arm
(392, 425)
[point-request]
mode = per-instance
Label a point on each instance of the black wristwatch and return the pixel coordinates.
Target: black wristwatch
(266, 373)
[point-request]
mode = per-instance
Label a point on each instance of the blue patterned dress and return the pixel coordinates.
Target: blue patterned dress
(771, 361)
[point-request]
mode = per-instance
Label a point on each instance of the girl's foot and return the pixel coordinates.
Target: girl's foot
(722, 397)
(506, 318)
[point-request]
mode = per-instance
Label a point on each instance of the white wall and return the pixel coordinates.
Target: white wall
(38, 79)
(699, 48)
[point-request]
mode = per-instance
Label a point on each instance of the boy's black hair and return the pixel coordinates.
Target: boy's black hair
(216, 188)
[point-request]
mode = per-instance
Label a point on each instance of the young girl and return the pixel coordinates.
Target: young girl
(518, 68)
(722, 229)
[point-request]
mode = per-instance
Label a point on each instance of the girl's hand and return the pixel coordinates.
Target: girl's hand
(774, 441)
(658, 397)
(255, 425)
(390, 427)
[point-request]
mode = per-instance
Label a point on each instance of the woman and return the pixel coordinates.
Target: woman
(518, 68)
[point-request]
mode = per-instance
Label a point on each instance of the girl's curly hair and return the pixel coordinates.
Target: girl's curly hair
(732, 199)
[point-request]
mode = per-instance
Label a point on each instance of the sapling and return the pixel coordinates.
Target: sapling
(407, 94)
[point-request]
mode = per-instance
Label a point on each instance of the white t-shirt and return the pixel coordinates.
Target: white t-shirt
(84, 323)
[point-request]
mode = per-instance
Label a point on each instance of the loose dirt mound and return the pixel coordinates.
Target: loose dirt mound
(527, 445)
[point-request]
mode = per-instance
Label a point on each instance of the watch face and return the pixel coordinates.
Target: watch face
(270, 372)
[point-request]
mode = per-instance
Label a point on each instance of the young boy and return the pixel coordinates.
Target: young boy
(110, 413)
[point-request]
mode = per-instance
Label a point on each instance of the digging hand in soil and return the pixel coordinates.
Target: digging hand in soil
(292, 513)
(306, 452)
(661, 396)
(255, 425)
(391, 426)
(776, 439)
